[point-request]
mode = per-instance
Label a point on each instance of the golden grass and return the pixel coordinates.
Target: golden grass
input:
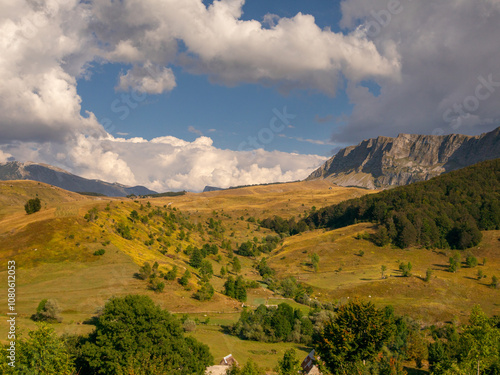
(63, 267)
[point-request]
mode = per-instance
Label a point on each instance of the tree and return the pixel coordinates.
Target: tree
(172, 274)
(47, 311)
(383, 268)
(479, 274)
(196, 258)
(156, 285)
(205, 293)
(494, 282)
(381, 238)
(145, 271)
(223, 272)
(405, 269)
(32, 206)
(134, 215)
(454, 263)
(184, 280)
(236, 265)
(481, 341)
(42, 353)
(250, 368)
(289, 364)
(206, 270)
(356, 334)
(428, 274)
(314, 261)
(471, 261)
(134, 335)
(91, 215)
(240, 291)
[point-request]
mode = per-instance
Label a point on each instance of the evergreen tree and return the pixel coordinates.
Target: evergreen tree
(196, 258)
(236, 265)
(289, 364)
(184, 280)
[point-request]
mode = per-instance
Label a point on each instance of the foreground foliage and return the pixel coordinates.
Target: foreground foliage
(133, 335)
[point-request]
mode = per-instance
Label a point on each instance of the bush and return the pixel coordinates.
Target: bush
(184, 280)
(135, 336)
(32, 206)
(205, 293)
(144, 272)
(156, 285)
(47, 311)
(172, 274)
(99, 252)
(42, 352)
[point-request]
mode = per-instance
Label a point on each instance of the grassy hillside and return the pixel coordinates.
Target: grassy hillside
(54, 251)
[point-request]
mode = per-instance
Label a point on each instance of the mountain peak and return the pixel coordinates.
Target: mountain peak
(385, 161)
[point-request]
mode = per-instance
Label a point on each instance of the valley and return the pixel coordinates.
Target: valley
(54, 252)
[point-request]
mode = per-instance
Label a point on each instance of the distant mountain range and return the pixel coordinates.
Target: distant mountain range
(15, 170)
(211, 188)
(384, 162)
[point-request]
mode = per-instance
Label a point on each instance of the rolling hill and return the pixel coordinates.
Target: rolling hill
(54, 252)
(58, 177)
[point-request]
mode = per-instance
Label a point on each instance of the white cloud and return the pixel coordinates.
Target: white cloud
(167, 163)
(232, 51)
(193, 130)
(43, 50)
(4, 156)
(444, 47)
(149, 78)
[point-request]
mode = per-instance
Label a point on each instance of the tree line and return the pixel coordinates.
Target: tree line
(448, 211)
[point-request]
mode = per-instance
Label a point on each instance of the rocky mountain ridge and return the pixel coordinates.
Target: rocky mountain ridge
(384, 161)
(48, 174)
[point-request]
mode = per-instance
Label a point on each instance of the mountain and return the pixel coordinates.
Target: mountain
(383, 161)
(15, 170)
(211, 188)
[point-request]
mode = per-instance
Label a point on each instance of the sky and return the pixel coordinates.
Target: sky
(180, 94)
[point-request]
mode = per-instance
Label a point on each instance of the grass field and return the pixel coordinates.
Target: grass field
(53, 250)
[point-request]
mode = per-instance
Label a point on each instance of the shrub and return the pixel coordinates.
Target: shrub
(156, 285)
(205, 293)
(47, 311)
(32, 206)
(99, 252)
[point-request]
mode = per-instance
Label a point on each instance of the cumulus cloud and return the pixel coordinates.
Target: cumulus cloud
(4, 156)
(447, 49)
(149, 78)
(47, 44)
(231, 51)
(167, 163)
(43, 51)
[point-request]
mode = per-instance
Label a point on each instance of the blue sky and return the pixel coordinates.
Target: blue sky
(228, 115)
(179, 94)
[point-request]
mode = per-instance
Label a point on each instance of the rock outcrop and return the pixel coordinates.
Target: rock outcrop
(384, 162)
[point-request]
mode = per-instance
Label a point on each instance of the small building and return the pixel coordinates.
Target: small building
(308, 365)
(222, 367)
(228, 360)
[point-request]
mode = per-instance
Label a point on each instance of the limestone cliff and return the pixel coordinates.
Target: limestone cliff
(408, 158)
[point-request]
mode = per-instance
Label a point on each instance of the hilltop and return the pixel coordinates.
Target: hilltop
(385, 162)
(51, 175)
